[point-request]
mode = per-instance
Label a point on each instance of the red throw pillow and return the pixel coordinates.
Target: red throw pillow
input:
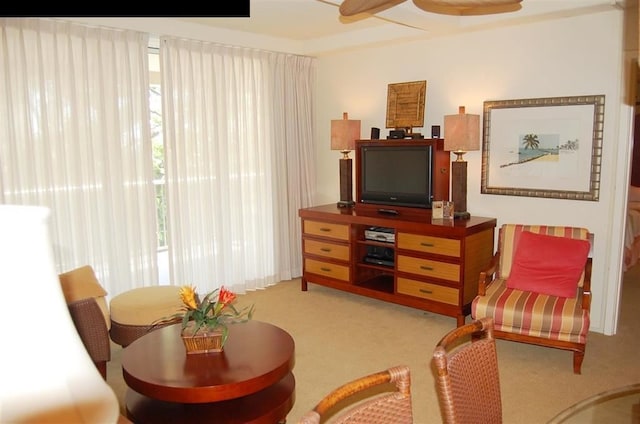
(548, 264)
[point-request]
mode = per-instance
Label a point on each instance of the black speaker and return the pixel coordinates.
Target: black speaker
(375, 133)
(435, 131)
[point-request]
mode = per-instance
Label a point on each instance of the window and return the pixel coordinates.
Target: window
(155, 107)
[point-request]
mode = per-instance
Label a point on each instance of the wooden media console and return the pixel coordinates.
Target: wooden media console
(432, 266)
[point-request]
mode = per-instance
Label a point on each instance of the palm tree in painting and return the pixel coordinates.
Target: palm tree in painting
(570, 145)
(531, 141)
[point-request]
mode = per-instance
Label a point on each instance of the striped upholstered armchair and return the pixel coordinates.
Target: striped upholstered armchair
(537, 288)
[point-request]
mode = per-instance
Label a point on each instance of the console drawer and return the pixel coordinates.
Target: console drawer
(429, 244)
(329, 250)
(339, 272)
(323, 229)
(429, 268)
(428, 291)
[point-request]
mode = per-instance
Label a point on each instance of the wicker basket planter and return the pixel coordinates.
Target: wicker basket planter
(204, 341)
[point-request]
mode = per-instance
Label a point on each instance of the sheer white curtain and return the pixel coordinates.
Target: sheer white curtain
(238, 141)
(75, 137)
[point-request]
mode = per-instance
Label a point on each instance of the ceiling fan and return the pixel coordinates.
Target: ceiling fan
(446, 7)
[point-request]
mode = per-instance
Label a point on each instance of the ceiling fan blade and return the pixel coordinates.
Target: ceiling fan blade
(468, 7)
(354, 7)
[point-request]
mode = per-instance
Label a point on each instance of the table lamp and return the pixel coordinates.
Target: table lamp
(344, 133)
(47, 374)
(461, 135)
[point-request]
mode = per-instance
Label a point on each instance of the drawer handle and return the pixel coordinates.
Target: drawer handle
(325, 269)
(326, 230)
(426, 291)
(325, 249)
(427, 244)
(426, 268)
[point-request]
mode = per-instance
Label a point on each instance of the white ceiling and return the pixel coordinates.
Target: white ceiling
(317, 27)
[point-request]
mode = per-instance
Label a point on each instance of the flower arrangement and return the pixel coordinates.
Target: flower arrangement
(214, 312)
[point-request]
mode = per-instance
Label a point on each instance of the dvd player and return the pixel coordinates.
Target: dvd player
(382, 234)
(378, 261)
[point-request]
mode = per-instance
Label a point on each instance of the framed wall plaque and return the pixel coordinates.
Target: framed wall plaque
(405, 104)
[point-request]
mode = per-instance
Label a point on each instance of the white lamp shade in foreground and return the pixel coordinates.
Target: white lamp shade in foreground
(46, 373)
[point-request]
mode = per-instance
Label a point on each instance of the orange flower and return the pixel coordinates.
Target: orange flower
(226, 296)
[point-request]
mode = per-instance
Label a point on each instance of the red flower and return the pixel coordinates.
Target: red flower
(226, 296)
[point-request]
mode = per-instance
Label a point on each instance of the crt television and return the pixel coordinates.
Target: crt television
(396, 175)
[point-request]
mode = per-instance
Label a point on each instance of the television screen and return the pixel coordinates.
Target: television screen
(396, 175)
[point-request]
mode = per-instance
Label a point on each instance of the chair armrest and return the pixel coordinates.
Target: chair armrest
(89, 321)
(488, 274)
(400, 398)
(586, 286)
(399, 375)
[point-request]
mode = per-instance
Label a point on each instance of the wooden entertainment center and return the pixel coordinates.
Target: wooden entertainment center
(401, 257)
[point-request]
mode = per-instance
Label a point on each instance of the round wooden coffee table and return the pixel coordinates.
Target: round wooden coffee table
(250, 381)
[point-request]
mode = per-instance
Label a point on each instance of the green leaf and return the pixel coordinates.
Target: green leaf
(209, 295)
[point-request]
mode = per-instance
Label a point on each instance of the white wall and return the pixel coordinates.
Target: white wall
(571, 56)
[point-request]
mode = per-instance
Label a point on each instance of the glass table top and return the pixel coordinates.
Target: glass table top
(620, 405)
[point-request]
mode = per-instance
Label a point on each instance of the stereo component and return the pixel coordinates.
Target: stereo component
(383, 234)
(380, 255)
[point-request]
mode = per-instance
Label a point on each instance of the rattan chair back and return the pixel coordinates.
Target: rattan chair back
(467, 377)
(389, 407)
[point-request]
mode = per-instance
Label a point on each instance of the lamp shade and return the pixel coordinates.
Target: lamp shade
(344, 133)
(461, 132)
(47, 375)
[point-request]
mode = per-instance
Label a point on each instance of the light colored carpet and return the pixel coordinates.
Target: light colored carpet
(341, 336)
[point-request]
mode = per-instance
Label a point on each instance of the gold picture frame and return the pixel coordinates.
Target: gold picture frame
(546, 147)
(405, 104)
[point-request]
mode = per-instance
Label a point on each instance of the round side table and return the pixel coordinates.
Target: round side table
(250, 381)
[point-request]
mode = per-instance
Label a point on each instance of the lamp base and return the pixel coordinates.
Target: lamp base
(459, 189)
(461, 215)
(346, 184)
(346, 204)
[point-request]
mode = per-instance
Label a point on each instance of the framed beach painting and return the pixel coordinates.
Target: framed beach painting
(547, 147)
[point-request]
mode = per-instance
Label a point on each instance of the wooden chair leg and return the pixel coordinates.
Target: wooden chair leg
(578, 356)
